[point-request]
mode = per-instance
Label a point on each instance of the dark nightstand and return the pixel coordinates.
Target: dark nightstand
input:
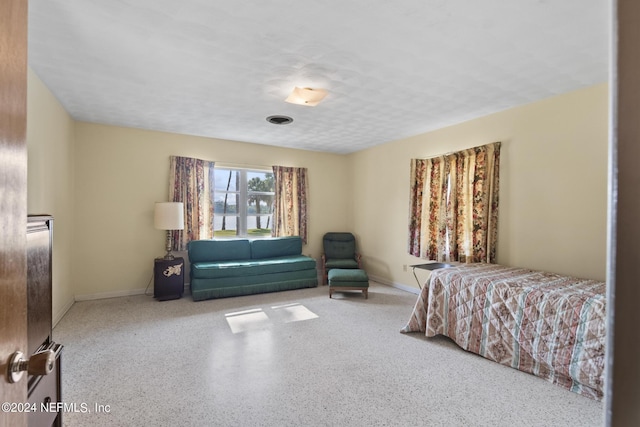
(168, 278)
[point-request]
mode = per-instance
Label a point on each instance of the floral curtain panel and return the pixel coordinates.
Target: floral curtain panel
(190, 182)
(290, 206)
(453, 211)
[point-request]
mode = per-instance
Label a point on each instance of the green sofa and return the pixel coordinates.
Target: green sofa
(226, 268)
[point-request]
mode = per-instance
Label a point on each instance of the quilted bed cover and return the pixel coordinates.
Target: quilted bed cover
(548, 325)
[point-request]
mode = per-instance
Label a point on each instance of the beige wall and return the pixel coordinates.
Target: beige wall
(101, 183)
(50, 143)
(553, 187)
(121, 172)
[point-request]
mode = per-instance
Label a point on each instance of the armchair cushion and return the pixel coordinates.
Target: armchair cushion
(349, 277)
(339, 246)
(341, 263)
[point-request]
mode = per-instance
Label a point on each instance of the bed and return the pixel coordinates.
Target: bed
(548, 325)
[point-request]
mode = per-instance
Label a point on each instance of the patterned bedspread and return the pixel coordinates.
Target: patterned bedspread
(545, 324)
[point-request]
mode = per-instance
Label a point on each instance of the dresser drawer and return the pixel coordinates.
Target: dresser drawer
(45, 392)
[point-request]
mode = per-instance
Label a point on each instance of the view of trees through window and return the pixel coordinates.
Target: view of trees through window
(243, 203)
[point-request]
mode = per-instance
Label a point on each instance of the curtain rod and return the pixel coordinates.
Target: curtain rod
(457, 151)
(242, 166)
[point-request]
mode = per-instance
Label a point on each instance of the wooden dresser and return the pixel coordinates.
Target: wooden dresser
(43, 391)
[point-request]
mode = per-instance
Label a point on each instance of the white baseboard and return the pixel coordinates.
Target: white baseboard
(116, 294)
(187, 290)
(113, 294)
(58, 316)
(400, 286)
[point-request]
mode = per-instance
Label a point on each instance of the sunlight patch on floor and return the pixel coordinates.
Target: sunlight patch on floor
(247, 320)
(257, 318)
(294, 312)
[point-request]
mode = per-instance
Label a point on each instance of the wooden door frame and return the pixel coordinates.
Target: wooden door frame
(13, 194)
(622, 386)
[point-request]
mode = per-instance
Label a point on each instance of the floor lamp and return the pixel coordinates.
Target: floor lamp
(169, 216)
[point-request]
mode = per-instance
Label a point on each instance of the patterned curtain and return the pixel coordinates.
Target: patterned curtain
(290, 205)
(454, 205)
(190, 182)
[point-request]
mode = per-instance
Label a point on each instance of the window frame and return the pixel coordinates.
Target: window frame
(243, 194)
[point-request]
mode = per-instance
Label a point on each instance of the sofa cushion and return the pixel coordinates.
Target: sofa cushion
(276, 247)
(219, 250)
(226, 269)
(245, 285)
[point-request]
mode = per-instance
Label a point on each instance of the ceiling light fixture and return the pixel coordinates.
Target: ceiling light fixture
(306, 96)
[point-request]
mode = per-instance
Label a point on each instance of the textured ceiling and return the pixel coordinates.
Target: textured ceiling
(392, 69)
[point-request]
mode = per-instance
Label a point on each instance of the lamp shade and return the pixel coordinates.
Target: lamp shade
(169, 216)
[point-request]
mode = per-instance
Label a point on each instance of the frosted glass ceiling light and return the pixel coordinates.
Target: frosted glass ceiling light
(306, 96)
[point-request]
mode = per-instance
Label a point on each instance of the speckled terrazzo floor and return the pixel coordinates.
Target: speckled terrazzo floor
(294, 358)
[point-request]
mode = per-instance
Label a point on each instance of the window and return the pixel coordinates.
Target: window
(454, 205)
(243, 203)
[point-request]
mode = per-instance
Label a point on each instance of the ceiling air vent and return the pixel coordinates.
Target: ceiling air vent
(279, 120)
